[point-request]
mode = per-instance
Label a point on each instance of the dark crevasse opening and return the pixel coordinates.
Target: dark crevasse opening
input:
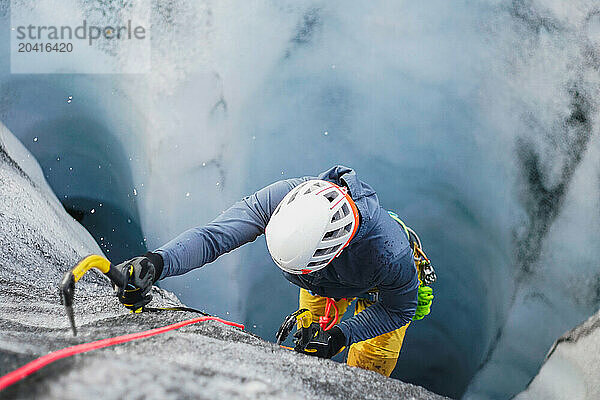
(88, 170)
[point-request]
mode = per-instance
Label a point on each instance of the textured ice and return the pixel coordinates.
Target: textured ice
(477, 121)
(572, 368)
(39, 241)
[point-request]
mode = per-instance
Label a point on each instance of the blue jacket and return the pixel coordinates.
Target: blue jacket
(378, 256)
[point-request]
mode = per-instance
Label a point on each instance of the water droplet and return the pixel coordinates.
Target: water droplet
(326, 133)
(128, 220)
(218, 183)
(281, 172)
(57, 158)
(99, 166)
(70, 168)
(134, 191)
(204, 164)
(69, 99)
(35, 139)
(93, 210)
(187, 194)
(100, 204)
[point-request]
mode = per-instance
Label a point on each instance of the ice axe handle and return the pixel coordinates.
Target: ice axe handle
(299, 318)
(304, 323)
(67, 285)
(116, 276)
(67, 291)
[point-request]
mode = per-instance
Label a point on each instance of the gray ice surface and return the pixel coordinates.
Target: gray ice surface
(571, 370)
(39, 241)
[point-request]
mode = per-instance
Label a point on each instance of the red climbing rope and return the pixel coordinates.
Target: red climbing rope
(37, 364)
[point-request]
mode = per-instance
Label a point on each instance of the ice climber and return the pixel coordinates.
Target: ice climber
(332, 238)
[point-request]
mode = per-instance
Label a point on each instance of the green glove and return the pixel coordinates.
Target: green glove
(425, 297)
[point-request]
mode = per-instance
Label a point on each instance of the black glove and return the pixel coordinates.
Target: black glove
(323, 344)
(139, 273)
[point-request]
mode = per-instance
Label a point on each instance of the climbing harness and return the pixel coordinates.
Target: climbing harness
(427, 274)
(303, 318)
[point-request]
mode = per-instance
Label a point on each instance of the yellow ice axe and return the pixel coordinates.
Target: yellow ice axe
(67, 285)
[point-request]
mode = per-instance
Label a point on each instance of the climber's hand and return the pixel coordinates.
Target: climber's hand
(425, 298)
(320, 343)
(139, 276)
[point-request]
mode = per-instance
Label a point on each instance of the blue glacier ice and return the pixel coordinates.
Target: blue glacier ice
(476, 121)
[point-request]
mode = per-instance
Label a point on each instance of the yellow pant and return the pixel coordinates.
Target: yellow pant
(378, 354)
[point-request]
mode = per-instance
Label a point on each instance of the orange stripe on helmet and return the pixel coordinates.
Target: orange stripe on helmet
(356, 217)
(346, 194)
(344, 191)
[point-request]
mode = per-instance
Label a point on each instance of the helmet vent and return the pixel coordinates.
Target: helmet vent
(330, 225)
(337, 233)
(336, 216)
(317, 263)
(345, 209)
(293, 197)
(331, 234)
(324, 252)
(348, 228)
(277, 209)
(331, 196)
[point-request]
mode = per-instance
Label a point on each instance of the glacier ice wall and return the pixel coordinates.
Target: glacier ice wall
(473, 120)
(571, 367)
(39, 242)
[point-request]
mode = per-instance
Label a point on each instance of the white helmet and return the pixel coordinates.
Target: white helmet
(313, 223)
